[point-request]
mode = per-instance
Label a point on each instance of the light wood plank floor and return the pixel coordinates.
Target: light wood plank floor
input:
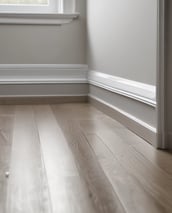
(72, 158)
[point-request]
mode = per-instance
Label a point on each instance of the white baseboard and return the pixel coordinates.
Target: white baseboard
(139, 127)
(49, 74)
(132, 89)
(43, 73)
(28, 80)
(48, 89)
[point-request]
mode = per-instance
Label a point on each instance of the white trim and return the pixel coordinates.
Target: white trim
(136, 125)
(139, 91)
(43, 74)
(73, 74)
(39, 90)
(50, 7)
(44, 96)
(161, 120)
(37, 18)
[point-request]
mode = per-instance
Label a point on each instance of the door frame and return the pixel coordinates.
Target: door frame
(161, 141)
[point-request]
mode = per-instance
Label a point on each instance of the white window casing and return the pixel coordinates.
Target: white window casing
(54, 12)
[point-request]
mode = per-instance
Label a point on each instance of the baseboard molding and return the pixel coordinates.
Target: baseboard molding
(29, 80)
(56, 74)
(134, 124)
(132, 89)
(19, 100)
(41, 90)
(43, 73)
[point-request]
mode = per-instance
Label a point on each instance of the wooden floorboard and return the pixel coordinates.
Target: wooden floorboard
(129, 189)
(152, 177)
(27, 190)
(148, 175)
(102, 194)
(6, 130)
(161, 159)
(72, 158)
(67, 191)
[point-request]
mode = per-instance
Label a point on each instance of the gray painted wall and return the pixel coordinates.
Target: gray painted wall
(122, 38)
(45, 44)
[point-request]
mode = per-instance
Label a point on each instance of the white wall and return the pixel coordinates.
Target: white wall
(45, 44)
(122, 38)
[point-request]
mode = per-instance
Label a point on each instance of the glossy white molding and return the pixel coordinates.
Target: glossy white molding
(139, 91)
(37, 18)
(75, 73)
(162, 138)
(43, 73)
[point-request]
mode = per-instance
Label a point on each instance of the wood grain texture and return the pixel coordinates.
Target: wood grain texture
(102, 194)
(72, 158)
(67, 191)
(160, 158)
(129, 189)
(6, 130)
(150, 185)
(149, 174)
(27, 190)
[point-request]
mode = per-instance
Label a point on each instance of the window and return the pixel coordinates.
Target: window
(51, 12)
(23, 2)
(37, 6)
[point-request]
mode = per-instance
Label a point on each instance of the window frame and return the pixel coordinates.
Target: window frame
(51, 7)
(39, 15)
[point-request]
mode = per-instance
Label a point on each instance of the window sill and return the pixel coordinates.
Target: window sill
(37, 19)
